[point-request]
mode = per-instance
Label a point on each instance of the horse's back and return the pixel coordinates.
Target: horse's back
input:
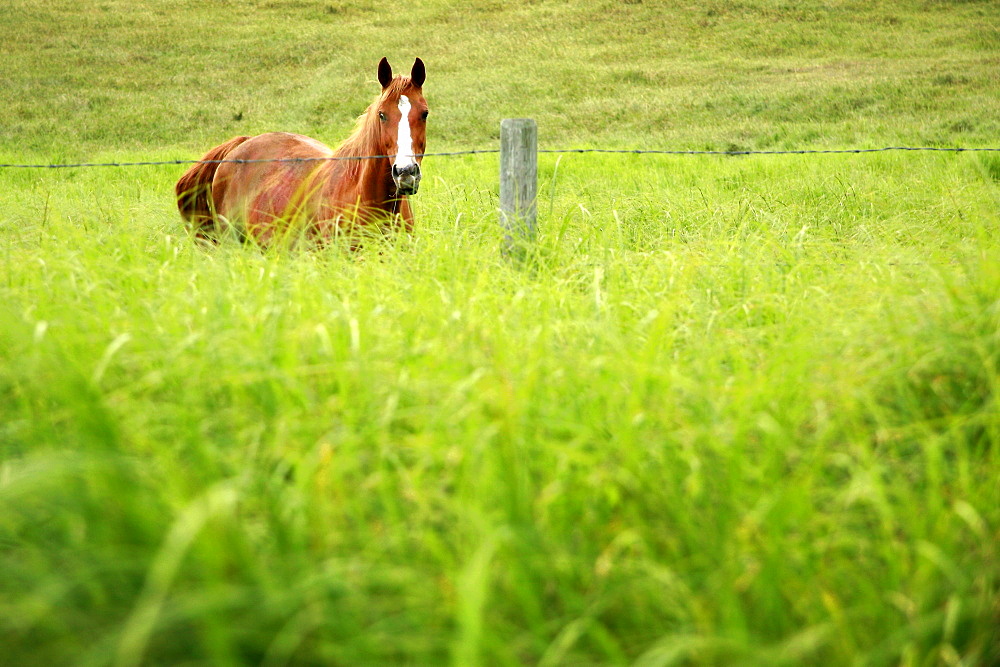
(268, 178)
(281, 145)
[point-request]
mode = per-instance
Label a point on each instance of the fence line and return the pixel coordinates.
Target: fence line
(157, 163)
(562, 151)
(808, 151)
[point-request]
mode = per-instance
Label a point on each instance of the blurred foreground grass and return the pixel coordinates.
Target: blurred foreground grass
(746, 414)
(735, 411)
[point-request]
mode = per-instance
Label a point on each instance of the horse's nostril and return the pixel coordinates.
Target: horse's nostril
(410, 170)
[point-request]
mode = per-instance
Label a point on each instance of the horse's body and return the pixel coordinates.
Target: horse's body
(276, 184)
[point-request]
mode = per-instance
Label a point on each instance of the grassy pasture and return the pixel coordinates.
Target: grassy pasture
(736, 411)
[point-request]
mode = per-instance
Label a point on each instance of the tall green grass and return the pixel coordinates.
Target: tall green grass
(753, 423)
(729, 411)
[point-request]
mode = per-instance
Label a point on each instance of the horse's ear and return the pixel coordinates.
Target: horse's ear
(418, 73)
(384, 73)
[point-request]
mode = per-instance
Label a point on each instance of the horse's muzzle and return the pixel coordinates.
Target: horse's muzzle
(407, 179)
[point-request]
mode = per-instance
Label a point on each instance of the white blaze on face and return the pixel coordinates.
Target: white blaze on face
(404, 144)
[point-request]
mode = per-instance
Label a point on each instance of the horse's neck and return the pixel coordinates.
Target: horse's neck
(368, 182)
(376, 186)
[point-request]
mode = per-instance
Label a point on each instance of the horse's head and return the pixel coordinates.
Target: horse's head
(402, 117)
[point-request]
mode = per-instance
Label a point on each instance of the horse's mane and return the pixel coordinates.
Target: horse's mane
(364, 140)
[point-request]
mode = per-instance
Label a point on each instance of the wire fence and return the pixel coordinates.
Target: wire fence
(562, 151)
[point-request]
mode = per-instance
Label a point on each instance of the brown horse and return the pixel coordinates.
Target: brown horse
(291, 186)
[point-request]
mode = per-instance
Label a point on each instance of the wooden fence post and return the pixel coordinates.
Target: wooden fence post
(518, 183)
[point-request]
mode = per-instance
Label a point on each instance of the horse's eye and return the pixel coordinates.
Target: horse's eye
(381, 116)
(423, 116)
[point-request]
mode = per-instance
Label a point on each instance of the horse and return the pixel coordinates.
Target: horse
(280, 185)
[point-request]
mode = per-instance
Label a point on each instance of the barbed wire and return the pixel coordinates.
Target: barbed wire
(637, 151)
(157, 163)
(817, 151)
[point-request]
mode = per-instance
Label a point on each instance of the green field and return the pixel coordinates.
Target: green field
(731, 410)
